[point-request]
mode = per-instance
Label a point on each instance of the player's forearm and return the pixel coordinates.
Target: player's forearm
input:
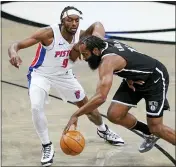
(91, 105)
(13, 49)
(42, 35)
(99, 98)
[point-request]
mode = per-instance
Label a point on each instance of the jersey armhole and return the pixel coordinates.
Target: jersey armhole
(51, 46)
(108, 55)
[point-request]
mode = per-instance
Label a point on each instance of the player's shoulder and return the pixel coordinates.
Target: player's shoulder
(45, 30)
(114, 42)
(109, 40)
(53, 26)
(109, 48)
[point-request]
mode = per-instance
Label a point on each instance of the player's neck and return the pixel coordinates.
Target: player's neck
(67, 36)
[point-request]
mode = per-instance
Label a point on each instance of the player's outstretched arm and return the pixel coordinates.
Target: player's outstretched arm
(42, 35)
(96, 29)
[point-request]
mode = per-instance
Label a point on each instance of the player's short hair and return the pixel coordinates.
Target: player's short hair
(92, 42)
(69, 8)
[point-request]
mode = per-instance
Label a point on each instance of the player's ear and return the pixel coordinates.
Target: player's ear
(96, 51)
(62, 21)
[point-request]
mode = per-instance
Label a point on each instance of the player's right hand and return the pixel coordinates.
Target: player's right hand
(131, 82)
(15, 60)
(71, 123)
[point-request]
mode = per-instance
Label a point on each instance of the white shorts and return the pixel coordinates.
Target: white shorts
(66, 85)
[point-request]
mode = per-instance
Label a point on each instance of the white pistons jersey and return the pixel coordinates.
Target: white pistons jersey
(52, 68)
(53, 60)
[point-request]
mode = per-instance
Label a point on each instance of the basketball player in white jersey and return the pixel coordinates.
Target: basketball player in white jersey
(52, 67)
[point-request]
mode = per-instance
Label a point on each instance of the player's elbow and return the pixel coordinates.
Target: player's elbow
(101, 98)
(98, 29)
(98, 23)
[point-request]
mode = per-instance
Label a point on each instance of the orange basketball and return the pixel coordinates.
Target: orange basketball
(72, 143)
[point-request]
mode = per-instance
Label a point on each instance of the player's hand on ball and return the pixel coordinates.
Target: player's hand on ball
(73, 121)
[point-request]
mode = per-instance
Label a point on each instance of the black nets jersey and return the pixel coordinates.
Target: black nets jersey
(139, 66)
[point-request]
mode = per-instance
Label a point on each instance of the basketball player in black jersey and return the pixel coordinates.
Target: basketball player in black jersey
(143, 77)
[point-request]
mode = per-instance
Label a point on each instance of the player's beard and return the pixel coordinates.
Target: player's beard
(94, 61)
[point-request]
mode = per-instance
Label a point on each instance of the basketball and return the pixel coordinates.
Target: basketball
(72, 143)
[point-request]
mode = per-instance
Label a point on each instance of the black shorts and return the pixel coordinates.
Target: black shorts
(153, 91)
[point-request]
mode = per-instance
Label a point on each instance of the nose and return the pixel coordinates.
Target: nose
(74, 22)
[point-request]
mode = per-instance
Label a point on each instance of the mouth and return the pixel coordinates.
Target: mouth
(73, 29)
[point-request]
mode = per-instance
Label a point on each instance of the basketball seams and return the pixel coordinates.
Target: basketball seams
(75, 140)
(68, 146)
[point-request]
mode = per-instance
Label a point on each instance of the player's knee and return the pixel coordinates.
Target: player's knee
(155, 129)
(114, 115)
(35, 108)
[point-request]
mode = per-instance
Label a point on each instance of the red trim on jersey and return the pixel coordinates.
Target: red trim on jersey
(37, 55)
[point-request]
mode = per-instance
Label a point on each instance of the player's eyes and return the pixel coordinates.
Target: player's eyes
(69, 20)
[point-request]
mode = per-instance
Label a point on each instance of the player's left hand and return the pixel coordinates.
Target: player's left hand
(73, 121)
